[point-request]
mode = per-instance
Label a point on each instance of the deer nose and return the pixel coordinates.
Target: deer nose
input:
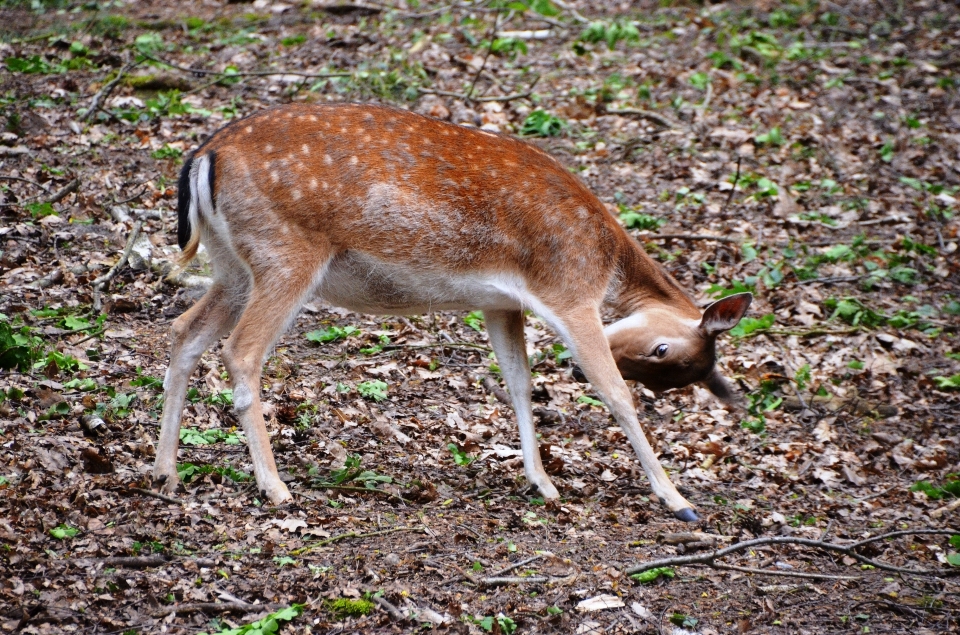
(578, 374)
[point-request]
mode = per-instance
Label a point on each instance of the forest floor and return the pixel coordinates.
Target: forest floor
(806, 151)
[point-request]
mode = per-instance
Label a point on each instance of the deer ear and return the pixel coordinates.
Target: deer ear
(724, 314)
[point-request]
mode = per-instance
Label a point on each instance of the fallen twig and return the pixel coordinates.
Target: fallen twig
(100, 282)
(494, 389)
(788, 574)
(515, 565)
(215, 607)
(504, 581)
(201, 71)
(720, 239)
(128, 562)
(62, 193)
(104, 92)
(157, 495)
(649, 115)
(733, 190)
(448, 93)
(848, 550)
(393, 611)
(348, 488)
(353, 534)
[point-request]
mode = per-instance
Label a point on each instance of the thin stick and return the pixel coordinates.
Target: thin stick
(649, 115)
(352, 534)
(720, 239)
(348, 488)
(504, 581)
(515, 565)
(158, 495)
(215, 607)
(129, 562)
(200, 71)
(448, 93)
(483, 65)
(62, 193)
(787, 574)
(99, 283)
(736, 179)
(393, 611)
(20, 178)
(849, 550)
(104, 92)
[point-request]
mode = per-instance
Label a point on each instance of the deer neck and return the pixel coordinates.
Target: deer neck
(641, 284)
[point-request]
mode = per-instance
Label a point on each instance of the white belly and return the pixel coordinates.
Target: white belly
(362, 283)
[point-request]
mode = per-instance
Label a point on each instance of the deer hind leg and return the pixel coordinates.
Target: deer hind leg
(592, 351)
(191, 334)
(275, 300)
(506, 336)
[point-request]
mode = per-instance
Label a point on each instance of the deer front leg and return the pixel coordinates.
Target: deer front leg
(191, 334)
(592, 351)
(506, 336)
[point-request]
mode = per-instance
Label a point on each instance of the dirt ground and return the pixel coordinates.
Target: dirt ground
(838, 123)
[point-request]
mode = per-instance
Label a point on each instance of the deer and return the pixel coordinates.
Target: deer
(382, 211)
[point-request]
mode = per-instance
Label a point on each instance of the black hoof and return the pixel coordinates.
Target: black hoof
(687, 515)
(160, 480)
(578, 375)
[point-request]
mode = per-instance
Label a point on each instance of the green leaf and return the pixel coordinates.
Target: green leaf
(376, 390)
(750, 325)
(700, 81)
(590, 401)
(62, 532)
(540, 123)
(332, 334)
(948, 383)
(645, 577)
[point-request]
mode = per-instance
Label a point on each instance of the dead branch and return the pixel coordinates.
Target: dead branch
(847, 550)
(201, 71)
(448, 93)
(215, 607)
(353, 534)
(787, 574)
(491, 386)
(100, 282)
(364, 490)
(719, 239)
(393, 611)
(649, 115)
(515, 565)
(127, 562)
(157, 495)
(62, 193)
(104, 92)
(504, 581)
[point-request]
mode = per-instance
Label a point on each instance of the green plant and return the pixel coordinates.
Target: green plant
(62, 532)
(509, 46)
(541, 123)
(188, 471)
(609, 32)
(332, 334)
(648, 576)
(474, 320)
(750, 325)
(632, 219)
(194, 436)
(265, 626)
(167, 152)
(282, 561)
(700, 81)
(854, 312)
(19, 348)
(460, 457)
(772, 137)
(949, 489)
(346, 607)
(948, 383)
(503, 623)
(352, 472)
(376, 390)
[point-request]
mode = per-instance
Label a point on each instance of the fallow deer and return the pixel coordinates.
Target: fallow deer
(382, 211)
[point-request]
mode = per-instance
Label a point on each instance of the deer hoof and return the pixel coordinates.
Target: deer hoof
(687, 515)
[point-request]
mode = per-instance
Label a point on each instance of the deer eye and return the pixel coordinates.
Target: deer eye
(661, 350)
